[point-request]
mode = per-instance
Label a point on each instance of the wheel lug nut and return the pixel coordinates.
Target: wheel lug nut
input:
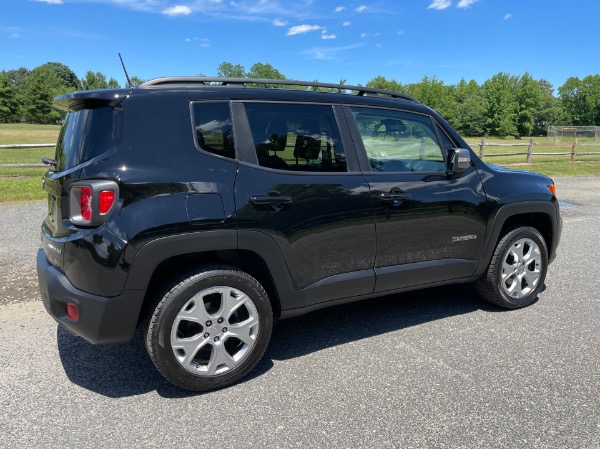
(224, 329)
(216, 338)
(209, 323)
(220, 320)
(206, 335)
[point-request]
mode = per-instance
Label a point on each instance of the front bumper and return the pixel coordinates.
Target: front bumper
(101, 319)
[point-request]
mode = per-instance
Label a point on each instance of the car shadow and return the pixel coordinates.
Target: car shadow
(126, 370)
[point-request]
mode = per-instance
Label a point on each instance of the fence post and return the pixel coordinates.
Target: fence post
(529, 151)
(574, 150)
(422, 152)
(482, 147)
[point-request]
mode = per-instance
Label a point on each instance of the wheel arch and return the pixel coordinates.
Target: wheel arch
(542, 216)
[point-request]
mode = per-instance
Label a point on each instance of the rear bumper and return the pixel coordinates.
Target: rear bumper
(101, 319)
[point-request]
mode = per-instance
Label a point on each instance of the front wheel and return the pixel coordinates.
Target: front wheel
(210, 329)
(517, 270)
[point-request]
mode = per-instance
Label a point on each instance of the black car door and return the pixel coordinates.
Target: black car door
(299, 185)
(430, 226)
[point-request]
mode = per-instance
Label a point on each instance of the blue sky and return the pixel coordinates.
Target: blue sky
(307, 39)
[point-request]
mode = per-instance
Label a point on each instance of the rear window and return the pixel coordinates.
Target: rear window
(85, 134)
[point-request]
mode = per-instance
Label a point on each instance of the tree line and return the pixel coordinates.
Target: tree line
(503, 105)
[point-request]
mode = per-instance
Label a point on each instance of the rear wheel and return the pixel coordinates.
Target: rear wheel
(517, 270)
(210, 329)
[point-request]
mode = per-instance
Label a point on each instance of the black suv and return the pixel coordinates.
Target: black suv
(206, 208)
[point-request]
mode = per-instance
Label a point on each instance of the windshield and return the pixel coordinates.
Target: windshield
(85, 134)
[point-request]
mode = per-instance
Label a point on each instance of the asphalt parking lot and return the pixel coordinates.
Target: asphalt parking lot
(431, 369)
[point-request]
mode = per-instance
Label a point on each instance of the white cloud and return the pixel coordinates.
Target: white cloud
(301, 29)
(440, 4)
(361, 8)
(177, 10)
(401, 33)
(329, 53)
(507, 16)
(363, 34)
(466, 3)
(14, 35)
(346, 24)
(280, 23)
(339, 8)
(324, 35)
(52, 2)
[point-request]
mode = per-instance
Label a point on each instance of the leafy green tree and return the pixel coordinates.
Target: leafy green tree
(136, 81)
(581, 100)
(469, 117)
(38, 94)
(380, 82)
(93, 81)
(8, 98)
(548, 110)
(228, 70)
(113, 83)
(500, 106)
(528, 97)
(434, 93)
(67, 77)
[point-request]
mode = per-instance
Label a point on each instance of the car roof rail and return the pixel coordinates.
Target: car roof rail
(245, 82)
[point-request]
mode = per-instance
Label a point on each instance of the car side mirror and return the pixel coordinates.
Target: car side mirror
(459, 159)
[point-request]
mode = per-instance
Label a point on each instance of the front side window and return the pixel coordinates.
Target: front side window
(300, 137)
(213, 128)
(398, 140)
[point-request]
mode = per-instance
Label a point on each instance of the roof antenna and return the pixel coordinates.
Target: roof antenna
(125, 70)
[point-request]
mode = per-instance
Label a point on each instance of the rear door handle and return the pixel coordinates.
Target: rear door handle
(390, 197)
(271, 200)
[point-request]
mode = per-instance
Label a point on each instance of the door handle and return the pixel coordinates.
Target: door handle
(393, 196)
(271, 200)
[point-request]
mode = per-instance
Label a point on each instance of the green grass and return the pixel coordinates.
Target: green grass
(23, 183)
(551, 165)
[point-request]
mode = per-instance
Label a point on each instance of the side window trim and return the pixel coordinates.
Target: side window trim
(242, 134)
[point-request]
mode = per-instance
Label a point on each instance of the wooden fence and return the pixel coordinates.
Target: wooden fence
(25, 146)
(529, 153)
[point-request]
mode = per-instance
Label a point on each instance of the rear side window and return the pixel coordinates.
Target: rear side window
(213, 128)
(299, 137)
(85, 134)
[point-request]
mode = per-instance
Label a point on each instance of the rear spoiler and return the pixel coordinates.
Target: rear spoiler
(91, 99)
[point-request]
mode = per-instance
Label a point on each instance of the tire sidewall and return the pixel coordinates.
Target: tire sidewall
(173, 302)
(503, 248)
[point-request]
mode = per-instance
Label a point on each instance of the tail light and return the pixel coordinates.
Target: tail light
(90, 202)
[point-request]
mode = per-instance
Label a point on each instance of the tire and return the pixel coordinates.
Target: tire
(517, 269)
(210, 329)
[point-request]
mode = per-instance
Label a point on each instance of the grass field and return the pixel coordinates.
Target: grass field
(20, 184)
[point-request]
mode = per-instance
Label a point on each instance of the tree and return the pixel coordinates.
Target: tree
(433, 93)
(67, 77)
(38, 96)
(228, 70)
(136, 81)
(8, 100)
(581, 100)
(500, 106)
(548, 111)
(469, 116)
(93, 81)
(113, 83)
(528, 98)
(380, 82)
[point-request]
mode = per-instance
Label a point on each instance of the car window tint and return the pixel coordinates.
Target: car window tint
(301, 137)
(447, 144)
(214, 132)
(398, 140)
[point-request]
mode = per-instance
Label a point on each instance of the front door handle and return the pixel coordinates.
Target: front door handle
(394, 196)
(271, 200)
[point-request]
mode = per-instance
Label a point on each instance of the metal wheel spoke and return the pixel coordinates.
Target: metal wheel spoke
(190, 346)
(231, 300)
(197, 313)
(532, 278)
(245, 331)
(219, 358)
